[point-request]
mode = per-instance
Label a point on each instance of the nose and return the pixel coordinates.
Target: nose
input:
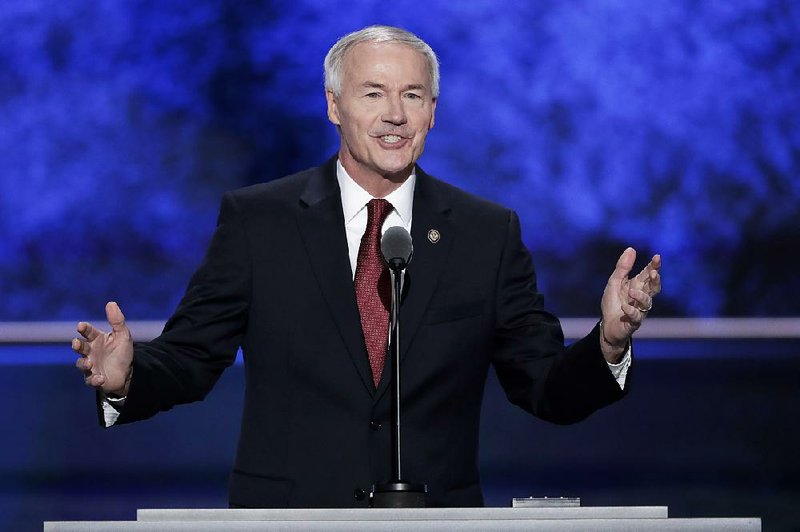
(395, 112)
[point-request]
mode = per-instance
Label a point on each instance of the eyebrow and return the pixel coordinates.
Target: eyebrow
(377, 85)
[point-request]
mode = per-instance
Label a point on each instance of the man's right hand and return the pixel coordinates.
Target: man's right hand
(106, 359)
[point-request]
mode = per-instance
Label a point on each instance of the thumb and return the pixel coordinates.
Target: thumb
(115, 317)
(624, 264)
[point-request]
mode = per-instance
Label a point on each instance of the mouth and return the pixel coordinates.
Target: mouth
(393, 140)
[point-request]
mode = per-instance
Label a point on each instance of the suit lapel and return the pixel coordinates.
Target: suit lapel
(321, 225)
(430, 213)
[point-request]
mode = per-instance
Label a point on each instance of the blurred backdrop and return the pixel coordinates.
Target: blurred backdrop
(671, 126)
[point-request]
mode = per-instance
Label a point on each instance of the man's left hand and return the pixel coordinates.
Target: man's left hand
(626, 302)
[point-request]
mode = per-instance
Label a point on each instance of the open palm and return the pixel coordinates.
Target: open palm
(106, 357)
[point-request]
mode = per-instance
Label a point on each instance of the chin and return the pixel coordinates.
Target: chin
(400, 172)
(395, 167)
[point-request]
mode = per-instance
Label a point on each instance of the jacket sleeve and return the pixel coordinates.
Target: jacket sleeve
(537, 373)
(202, 337)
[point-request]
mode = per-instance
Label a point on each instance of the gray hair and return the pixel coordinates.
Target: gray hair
(334, 60)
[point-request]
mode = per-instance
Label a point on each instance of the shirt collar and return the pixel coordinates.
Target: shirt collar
(355, 198)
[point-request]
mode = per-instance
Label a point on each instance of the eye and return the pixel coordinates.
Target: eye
(373, 95)
(412, 96)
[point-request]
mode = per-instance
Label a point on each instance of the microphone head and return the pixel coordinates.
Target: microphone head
(397, 248)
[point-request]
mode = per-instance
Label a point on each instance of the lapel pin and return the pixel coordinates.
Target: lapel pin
(434, 236)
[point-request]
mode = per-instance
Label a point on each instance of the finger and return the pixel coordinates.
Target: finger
(653, 265)
(655, 262)
(655, 283)
(84, 364)
(116, 318)
(81, 347)
(648, 279)
(624, 264)
(634, 315)
(94, 381)
(640, 299)
(88, 331)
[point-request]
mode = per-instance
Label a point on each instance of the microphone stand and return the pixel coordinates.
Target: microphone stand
(397, 493)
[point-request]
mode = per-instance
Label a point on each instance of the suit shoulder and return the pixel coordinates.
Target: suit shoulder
(273, 192)
(461, 199)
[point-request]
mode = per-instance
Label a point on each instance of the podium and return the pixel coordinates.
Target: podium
(585, 518)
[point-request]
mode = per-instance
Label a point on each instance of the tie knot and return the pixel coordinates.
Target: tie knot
(377, 211)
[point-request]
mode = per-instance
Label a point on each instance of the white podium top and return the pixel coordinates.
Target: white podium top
(586, 518)
(403, 514)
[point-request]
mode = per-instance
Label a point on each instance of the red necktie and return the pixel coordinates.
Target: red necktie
(373, 288)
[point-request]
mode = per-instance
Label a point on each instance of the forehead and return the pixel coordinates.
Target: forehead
(392, 62)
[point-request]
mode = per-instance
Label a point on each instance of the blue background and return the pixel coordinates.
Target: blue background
(671, 126)
(668, 125)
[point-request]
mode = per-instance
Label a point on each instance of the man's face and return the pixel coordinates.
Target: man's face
(384, 111)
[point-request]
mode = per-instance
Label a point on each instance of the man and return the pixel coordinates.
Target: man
(291, 276)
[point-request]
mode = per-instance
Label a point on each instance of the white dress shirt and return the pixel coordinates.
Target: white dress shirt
(354, 207)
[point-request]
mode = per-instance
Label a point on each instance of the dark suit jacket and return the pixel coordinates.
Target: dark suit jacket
(277, 281)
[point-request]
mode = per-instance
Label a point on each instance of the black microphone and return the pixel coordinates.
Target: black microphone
(397, 248)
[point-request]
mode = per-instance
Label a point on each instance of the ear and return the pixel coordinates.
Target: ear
(333, 109)
(433, 113)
